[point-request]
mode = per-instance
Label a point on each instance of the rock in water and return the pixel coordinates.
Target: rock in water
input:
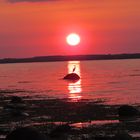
(25, 133)
(127, 111)
(72, 76)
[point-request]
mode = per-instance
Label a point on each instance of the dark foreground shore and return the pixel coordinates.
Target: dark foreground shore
(87, 119)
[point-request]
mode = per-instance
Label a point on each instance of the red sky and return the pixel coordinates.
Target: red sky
(39, 28)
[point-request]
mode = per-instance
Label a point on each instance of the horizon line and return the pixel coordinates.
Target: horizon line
(70, 55)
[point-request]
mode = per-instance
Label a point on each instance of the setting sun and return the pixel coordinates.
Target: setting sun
(73, 39)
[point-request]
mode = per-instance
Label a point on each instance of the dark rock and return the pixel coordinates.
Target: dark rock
(102, 138)
(18, 113)
(60, 130)
(72, 76)
(16, 103)
(123, 136)
(16, 99)
(15, 106)
(127, 111)
(25, 133)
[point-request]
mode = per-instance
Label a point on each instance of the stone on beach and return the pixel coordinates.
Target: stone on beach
(25, 133)
(123, 136)
(16, 99)
(127, 111)
(16, 103)
(16, 107)
(60, 130)
(18, 113)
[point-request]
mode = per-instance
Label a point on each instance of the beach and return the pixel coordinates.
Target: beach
(88, 118)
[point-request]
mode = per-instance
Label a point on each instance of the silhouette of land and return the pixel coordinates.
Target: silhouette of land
(70, 58)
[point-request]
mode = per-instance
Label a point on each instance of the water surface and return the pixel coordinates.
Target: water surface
(114, 81)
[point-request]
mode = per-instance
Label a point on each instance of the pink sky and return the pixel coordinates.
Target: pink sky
(39, 28)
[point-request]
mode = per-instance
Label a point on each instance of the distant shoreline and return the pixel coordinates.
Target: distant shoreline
(70, 58)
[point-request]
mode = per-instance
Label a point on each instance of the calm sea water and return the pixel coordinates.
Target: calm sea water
(115, 81)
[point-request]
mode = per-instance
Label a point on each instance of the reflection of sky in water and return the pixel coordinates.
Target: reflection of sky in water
(115, 81)
(74, 87)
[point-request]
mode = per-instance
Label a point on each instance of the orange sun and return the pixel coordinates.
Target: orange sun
(73, 39)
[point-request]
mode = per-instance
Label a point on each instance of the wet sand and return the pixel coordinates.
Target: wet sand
(89, 119)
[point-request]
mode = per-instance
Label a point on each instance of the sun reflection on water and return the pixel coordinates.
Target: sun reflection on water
(74, 87)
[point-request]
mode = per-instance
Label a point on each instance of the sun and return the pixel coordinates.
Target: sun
(73, 39)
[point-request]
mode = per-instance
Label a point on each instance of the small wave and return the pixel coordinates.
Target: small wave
(134, 75)
(114, 82)
(136, 70)
(3, 76)
(21, 82)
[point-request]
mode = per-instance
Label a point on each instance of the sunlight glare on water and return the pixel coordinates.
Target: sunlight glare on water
(74, 87)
